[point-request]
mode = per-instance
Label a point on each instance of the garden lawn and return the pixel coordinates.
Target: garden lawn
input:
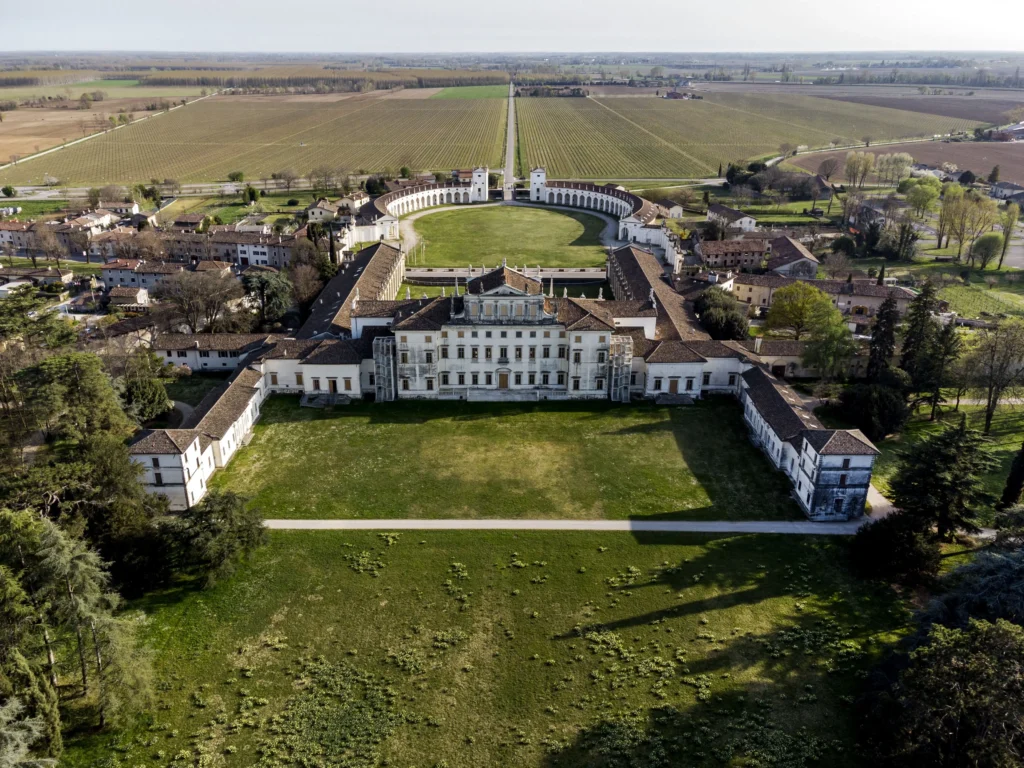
(469, 649)
(507, 460)
(591, 291)
(1006, 437)
(523, 236)
(192, 389)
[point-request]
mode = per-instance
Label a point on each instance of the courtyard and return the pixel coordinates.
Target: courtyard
(527, 650)
(507, 460)
(486, 235)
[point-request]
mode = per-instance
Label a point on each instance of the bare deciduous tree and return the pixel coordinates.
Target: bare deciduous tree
(202, 298)
(828, 167)
(837, 264)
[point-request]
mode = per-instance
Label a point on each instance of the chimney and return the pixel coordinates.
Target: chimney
(757, 344)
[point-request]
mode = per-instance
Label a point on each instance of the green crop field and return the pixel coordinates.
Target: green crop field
(656, 138)
(473, 92)
(207, 140)
(520, 650)
(540, 460)
(114, 89)
(523, 236)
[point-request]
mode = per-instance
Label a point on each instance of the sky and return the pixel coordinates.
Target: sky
(490, 26)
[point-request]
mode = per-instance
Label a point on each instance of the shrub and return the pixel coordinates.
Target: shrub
(895, 549)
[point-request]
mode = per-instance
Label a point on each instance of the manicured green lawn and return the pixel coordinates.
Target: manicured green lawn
(470, 649)
(524, 236)
(80, 268)
(502, 460)
(473, 92)
(1006, 437)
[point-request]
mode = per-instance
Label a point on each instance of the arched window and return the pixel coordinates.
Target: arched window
(551, 197)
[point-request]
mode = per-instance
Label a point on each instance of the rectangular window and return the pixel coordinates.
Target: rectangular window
(158, 479)
(476, 353)
(487, 353)
(533, 334)
(403, 339)
(316, 385)
(657, 385)
(732, 379)
(575, 384)
(298, 379)
(519, 379)
(487, 379)
(545, 379)
(533, 353)
(429, 339)
(156, 462)
(348, 385)
(504, 334)
(404, 358)
(473, 334)
(273, 379)
(842, 480)
(460, 353)
(462, 379)
(373, 380)
(579, 339)
(204, 353)
(689, 385)
(600, 357)
(601, 339)
(503, 352)
(837, 505)
(547, 352)
(519, 334)
(430, 385)
(577, 357)
(705, 379)
(846, 463)
(405, 385)
(430, 357)
(182, 353)
(561, 379)
(519, 353)
(461, 334)
(632, 379)
(476, 379)
(547, 334)
(444, 334)
(444, 353)
(444, 379)
(531, 379)
(169, 353)
(600, 384)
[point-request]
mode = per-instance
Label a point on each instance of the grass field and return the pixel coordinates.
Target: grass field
(114, 89)
(473, 92)
(657, 138)
(521, 650)
(524, 236)
(207, 140)
(589, 290)
(192, 389)
(1006, 438)
(469, 460)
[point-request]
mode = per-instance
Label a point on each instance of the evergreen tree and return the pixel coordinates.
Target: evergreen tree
(18, 734)
(271, 291)
(946, 349)
(919, 334)
(216, 534)
(1014, 482)
(939, 480)
(881, 275)
(883, 339)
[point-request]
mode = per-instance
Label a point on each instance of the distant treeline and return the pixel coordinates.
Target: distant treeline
(15, 78)
(548, 91)
(897, 76)
(336, 79)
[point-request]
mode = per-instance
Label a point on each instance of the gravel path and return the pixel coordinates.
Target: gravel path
(662, 526)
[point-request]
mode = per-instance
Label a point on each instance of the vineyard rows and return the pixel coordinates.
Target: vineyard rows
(657, 138)
(209, 139)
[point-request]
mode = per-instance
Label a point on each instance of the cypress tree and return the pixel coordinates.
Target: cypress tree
(881, 276)
(1014, 482)
(883, 339)
(919, 336)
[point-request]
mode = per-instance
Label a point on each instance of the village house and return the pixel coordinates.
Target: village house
(791, 258)
(1003, 190)
(731, 218)
(732, 254)
(670, 209)
(120, 207)
(129, 298)
(858, 297)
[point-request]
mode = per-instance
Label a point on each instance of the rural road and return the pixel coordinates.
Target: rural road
(509, 181)
(803, 528)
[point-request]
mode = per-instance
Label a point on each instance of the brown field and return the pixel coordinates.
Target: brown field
(965, 107)
(413, 93)
(978, 156)
(26, 131)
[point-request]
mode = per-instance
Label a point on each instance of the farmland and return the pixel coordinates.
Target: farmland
(978, 156)
(209, 139)
(964, 107)
(657, 138)
(508, 649)
(473, 92)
